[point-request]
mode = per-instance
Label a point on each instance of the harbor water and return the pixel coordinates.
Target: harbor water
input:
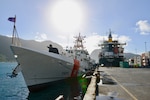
(16, 89)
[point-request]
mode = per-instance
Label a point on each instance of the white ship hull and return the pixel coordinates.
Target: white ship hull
(43, 67)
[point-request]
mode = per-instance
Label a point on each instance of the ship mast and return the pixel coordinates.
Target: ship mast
(110, 36)
(79, 42)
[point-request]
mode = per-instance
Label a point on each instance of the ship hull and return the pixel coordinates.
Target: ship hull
(110, 62)
(40, 68)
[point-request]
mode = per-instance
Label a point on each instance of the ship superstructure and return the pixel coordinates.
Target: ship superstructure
(112, 52)
(78, 52)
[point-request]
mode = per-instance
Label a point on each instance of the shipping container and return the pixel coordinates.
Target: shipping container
(124, 64)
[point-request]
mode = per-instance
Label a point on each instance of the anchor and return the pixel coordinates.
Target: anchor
(15, 71)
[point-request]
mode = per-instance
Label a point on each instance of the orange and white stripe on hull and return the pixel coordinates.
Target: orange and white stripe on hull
(74, 72)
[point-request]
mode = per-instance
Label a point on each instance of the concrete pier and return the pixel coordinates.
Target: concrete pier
(91, 90)
(130, 83)
(119, 84)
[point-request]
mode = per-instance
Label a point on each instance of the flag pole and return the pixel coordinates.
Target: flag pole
(13, 35)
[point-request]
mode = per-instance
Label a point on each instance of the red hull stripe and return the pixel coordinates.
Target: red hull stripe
(75, 69)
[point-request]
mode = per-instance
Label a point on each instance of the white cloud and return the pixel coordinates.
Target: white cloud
(143, 26)
(124, 39)
(91, 42)
(40, 37)
(95, 39)
(9, 36)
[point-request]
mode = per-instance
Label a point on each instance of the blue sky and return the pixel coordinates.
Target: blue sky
(60, 20)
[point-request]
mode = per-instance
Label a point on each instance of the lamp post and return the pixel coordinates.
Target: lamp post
(145, 47)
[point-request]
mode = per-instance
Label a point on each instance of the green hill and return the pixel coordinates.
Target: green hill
(7, 55)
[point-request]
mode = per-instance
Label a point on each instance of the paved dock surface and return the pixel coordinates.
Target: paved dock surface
(131, 83)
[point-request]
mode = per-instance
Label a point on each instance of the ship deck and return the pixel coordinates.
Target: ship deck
(126, 83)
